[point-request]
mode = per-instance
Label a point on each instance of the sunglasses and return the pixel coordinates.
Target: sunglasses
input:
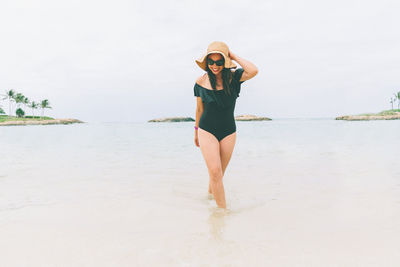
(219, 62)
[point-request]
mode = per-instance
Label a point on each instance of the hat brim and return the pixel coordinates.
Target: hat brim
(228, 62)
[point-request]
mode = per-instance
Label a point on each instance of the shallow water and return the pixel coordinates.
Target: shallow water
(300, 192)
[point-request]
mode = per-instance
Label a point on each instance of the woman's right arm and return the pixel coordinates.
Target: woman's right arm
(199, 111)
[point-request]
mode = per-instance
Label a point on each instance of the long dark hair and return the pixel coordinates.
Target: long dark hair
(226, 78)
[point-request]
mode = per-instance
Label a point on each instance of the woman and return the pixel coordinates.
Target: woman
(215, 128)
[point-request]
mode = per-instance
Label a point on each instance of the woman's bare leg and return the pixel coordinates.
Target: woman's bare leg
(210, 149)
(226, 146)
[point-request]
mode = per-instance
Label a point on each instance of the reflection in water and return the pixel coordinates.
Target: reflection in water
(217, 222)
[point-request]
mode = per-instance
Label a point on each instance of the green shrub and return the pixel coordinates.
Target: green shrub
(32, 117)
(19, 112)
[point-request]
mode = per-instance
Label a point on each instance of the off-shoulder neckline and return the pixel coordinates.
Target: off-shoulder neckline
(233, 73)
(209, 89)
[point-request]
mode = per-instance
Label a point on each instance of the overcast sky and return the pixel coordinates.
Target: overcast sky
(134, 60)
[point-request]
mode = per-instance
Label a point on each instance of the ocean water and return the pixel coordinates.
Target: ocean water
(299, 192)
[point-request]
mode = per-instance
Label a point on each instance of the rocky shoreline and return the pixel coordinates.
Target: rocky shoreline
(394, 116)
(251, 118)
(172, 119)
(238, 118)
(40, 122)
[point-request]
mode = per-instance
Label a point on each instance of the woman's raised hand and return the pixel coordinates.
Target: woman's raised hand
(232, 55)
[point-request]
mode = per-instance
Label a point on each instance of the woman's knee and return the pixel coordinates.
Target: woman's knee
(215, 174)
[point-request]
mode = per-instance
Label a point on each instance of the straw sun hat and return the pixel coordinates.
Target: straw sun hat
(216, 47)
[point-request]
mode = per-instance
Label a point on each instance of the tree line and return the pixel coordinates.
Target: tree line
(19, 99)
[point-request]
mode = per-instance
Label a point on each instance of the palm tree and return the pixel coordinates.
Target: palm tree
(392, 100)
(19, 98)
(1, 110)
(33, 105)
(10, 96)
(25, 101)
(44, 104)
(398, 100)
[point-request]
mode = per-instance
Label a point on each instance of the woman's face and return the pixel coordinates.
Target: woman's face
(218, 58)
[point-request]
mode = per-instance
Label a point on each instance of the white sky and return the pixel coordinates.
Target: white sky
(134, 60)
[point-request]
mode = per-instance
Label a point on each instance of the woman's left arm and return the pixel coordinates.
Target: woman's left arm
(250, 70)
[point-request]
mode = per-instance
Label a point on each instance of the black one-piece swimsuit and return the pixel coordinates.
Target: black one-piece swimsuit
(218, 112)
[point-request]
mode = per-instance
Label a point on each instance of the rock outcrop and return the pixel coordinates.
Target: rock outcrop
(251, 118)
(172, 119)
(394, 116)
(238, 118)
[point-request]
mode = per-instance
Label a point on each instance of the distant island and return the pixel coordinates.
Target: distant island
(17, 101)
(393, 114)
(172, 119)
(238, 118)
(251, 118)
(29, 120)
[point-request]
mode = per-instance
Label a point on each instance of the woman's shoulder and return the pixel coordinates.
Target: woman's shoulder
(237, 74)
(237, 71)
(200, 80)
